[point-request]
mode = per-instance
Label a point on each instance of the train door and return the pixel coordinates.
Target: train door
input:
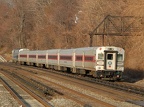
(110, 60)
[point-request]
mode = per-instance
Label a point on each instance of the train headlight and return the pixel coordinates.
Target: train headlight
(120, 68)
(120, 63)
(118, 76)
(101, 75)
(99, 67)
(100, 63)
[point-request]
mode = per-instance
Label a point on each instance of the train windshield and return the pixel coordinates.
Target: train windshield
(100, 56)
(120, 57)
(110, 56)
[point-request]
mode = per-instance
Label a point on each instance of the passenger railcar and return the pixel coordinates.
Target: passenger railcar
(15, 54)
(53, 59)
(101, 62)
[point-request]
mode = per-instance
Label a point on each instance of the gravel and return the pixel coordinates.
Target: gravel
(62, 102)
(90, 93)
(140, 83)
(6, 100)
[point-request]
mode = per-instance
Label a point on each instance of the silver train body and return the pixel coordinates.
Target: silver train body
(105, 62)
(15, 54)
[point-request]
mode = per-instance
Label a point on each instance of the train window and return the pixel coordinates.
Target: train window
(100, 56)
(23, 56)
(32, 56)
(110, 56)
(120, 57)
(41, 56)
(65, 57)
(79, 58)
(52, 56)
(88, 58)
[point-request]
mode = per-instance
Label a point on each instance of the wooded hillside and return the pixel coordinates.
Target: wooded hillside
(50, 24)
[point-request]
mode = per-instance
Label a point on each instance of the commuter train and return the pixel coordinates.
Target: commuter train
(105, 62)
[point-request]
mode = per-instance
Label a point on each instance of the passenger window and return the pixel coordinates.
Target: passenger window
(110, 56)
(100, 56)
(120, 57)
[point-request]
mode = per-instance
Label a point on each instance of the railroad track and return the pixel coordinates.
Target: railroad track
(13, 77)
(124, 95)
(116, 85)
(91, 80)
(12, 91)
(85, 84)
(69, 93)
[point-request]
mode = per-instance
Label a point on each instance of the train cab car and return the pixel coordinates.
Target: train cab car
(100, 62)
(109, 62)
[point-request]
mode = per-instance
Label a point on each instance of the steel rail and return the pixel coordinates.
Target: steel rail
(12, 92)
(123, 87)
(42, 86)
(37, 97)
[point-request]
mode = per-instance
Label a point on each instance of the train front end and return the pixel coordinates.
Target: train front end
(109, 63)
